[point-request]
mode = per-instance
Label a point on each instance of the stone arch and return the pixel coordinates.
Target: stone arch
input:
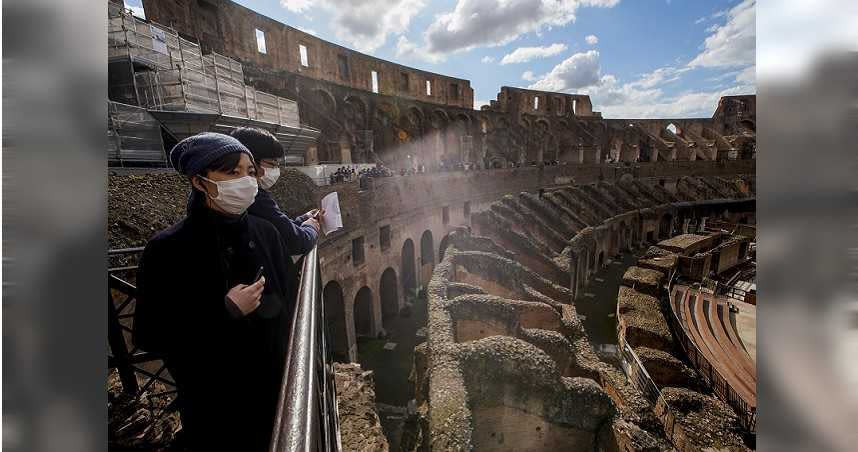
(540, 132)
(409, 274)
(427, 256)
(437, 125)
(385, 132)
(325, 101)
(664, 227)
(749, 125)
(354, 113)
(460, 127)
(483, 124)
(388, 290)
(335, 321)
(574, 274)
(445, 242)
(551, 151)
(591, 259)
(355, 110)
(363, 311)
(409, 139)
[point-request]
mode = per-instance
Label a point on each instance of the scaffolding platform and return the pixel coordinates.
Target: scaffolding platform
(175, 86)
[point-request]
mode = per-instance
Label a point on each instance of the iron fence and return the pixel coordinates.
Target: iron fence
(713, 378)
(130, 362)
(307, 417)
(640, 378)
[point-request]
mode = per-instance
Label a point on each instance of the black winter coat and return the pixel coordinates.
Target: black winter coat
(228, 370)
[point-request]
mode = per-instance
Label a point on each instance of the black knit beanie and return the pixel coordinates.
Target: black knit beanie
(194, 154)
(261, 143)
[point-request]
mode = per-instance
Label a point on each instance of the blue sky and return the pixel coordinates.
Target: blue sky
(643, 58)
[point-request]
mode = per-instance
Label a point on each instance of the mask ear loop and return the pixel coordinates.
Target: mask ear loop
(208, 195)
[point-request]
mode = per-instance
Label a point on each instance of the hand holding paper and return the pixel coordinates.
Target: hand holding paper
(331, 219)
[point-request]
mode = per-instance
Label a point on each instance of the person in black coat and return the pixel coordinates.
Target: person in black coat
(299, 235)
(222, 331)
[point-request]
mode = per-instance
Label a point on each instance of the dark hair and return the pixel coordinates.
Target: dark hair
(262, 143)
(226, 162)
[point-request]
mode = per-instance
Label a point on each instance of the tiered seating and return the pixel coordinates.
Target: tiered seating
(705, 320)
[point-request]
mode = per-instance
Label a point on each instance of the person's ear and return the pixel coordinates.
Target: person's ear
(198, 184)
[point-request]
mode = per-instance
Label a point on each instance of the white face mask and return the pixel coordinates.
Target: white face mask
(236, 195)
(269, 178)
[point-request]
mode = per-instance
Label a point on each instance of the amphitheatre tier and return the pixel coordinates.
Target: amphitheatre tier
(412, 117)
(508, 364)
(400, 222)
(398, 229)
(498, 243)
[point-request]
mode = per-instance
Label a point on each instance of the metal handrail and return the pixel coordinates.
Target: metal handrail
(307, 418)
(709, 373)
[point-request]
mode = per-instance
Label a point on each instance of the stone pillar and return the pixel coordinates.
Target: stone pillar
(345, 153)
(312, 156)
(351, 336)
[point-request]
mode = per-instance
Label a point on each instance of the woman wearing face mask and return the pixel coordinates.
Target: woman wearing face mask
(299, 235)
(212, 300)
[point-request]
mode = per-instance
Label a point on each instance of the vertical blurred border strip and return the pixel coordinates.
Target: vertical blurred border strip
(807, 73)
(54, 209)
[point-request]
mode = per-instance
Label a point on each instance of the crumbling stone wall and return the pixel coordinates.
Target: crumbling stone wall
(334, 93)
(142, 203)
(487, 300)
(692, 418)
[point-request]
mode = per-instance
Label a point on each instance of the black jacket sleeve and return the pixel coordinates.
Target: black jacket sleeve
(298, 239)
(154, 324)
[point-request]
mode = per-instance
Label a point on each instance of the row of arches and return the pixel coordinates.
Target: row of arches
(404, 133)
(392, 289)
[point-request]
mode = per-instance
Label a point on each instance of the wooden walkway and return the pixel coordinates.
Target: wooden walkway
(706, 322)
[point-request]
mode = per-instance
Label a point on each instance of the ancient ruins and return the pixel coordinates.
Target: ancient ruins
(586, 284)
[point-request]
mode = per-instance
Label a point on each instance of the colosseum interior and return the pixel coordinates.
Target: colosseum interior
(587, 283)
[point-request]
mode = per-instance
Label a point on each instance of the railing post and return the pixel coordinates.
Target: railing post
(119, 349)
(306, 409)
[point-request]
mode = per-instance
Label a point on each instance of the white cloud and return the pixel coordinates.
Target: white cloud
(734, 43)
(748, 75)
(525, 54)
(307, 30)
(364, 25)
(407, 49)
(488, 59)
(296, 6)
(643, 98)
(528, 75)
(592, 40)
(660, 76)
(487, 23)
(700, 21)
(578, 71)
(479, 103)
